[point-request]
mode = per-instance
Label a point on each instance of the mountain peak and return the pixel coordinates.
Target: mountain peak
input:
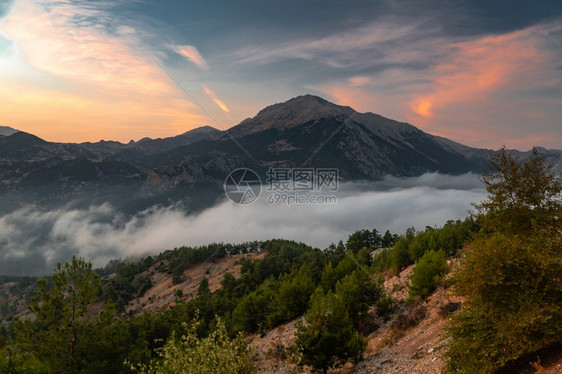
(201, 130)
(305, 104)
(293, 112)
(306, 99)
(21, 137)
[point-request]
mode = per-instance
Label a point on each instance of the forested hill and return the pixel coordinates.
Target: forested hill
(492, 278)
(254, 287)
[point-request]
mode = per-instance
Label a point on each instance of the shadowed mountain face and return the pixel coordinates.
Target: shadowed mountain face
(309, 131)
(306, 131)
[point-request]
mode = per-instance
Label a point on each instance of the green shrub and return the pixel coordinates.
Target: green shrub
(381, 261)
(431, 266)
(514, 303)
(399, 256)
(216, 353)
(292, 297)
(328, 338)
(357, 291)
(15, 360)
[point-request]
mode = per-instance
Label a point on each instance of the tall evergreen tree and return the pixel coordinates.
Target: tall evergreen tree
(60, 328)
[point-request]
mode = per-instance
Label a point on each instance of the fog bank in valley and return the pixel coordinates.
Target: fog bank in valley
(33, 241)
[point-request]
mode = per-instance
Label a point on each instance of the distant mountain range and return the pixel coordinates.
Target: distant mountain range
(190, 168)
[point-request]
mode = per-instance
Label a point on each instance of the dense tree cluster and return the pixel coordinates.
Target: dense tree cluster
(431, 266)
(370, 239)
(510, 277)
(411, 246)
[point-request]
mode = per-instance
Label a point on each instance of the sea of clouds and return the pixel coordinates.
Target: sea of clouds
(33, 241)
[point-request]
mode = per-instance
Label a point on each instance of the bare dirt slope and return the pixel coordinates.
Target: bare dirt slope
(418, 349)
(162, 294)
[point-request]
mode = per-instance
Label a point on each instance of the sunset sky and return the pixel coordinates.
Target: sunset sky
(483, 73)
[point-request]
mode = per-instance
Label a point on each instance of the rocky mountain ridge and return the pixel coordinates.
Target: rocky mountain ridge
(306, 131)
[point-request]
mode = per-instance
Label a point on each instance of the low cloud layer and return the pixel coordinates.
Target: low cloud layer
(32, 242)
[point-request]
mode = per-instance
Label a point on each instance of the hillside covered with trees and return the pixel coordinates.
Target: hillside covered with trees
(507, 272)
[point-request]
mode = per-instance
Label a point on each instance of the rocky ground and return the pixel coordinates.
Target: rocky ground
(418, 349)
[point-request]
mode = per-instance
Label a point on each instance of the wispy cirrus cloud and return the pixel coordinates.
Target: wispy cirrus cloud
(83, 72)
(359, 81)
(192, 54)
(338, 49)
(215, 99)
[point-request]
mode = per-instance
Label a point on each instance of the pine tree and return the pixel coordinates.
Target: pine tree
(328, 338)
(61, 325)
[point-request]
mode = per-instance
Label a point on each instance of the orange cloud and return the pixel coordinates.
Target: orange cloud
(75, 82)
(51, 43)
(342, 94)
(214, 97)
(422, 107)
(192, 54)
(481, 92)
(477, 68)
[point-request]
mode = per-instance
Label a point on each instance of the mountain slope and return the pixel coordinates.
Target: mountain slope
(306, 131)
(312, 132)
